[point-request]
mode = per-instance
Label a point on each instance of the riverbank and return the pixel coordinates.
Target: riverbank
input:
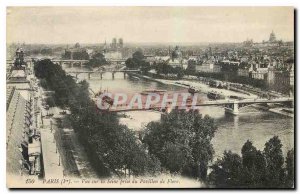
(288, 112)
(282, 111)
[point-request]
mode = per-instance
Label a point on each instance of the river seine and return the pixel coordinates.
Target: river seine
(233, 131)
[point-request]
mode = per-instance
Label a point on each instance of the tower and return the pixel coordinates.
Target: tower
(105, 46)
(19, 60)
(272, 37)
(121, 43)
(114, 44)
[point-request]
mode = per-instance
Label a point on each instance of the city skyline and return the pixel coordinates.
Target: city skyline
(66, 25)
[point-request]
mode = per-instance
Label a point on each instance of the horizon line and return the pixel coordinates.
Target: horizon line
(133, 42)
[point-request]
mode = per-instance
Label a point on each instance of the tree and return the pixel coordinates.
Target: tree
(203, 130)
(179, 71)
(131, 63)
(175, 156)
(144, 66)
(164, 68)
(138, 55)
(290, 169)
(43, 83)
(81, 55)
(97, 60)
(137, 61)
(254, 166)
(50, 102)
(256, 170)
(185, 138)
(191, 68)
(274, 159)
(226, 172)
(249, 154)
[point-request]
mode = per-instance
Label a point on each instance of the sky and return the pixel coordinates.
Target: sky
(147, 24)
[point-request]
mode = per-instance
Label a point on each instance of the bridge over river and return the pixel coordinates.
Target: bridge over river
(81, 63)
(231, 106)
(101, 72)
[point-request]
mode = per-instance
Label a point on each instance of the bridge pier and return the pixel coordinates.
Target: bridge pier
(101, 75)
(89, 74)
(124, 75)
(113, 75)
(232, 108)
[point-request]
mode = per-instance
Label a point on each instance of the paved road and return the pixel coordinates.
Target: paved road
(51, 157)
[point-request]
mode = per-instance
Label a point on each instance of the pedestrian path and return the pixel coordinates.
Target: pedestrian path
(52, 164)
(53, 167)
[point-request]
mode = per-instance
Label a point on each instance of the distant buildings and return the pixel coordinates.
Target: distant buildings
(19, 58)
(272, 37)
(244, 72)
(17, 72)
(114, 46)
(248, 43)
(114, 50)
(273, 40)
(176, 58)
(271, 62)
(112, 55)
(111, 51)
(76, 53)
(209, 66)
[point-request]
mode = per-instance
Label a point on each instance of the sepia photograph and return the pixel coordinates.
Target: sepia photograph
(150, 97)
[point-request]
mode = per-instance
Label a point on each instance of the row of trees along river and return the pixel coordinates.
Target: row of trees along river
(179, 143)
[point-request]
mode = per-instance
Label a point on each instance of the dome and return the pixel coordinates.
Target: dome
(176, 53)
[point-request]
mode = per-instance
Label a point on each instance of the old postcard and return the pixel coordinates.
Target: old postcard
(150, 97)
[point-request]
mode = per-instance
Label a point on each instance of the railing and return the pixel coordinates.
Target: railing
(103, 71)
(207, 103)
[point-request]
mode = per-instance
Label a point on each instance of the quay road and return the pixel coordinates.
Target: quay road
(63, 155)
(51, 157)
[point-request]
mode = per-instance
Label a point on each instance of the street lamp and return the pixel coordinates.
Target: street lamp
(51, 125)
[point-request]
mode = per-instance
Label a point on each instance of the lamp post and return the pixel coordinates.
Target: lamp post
(51, 125)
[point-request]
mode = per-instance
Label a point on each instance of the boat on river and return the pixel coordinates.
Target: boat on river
(105, 99)
(135, 78)
(151, 91)
(192, 90)
(215, 95)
